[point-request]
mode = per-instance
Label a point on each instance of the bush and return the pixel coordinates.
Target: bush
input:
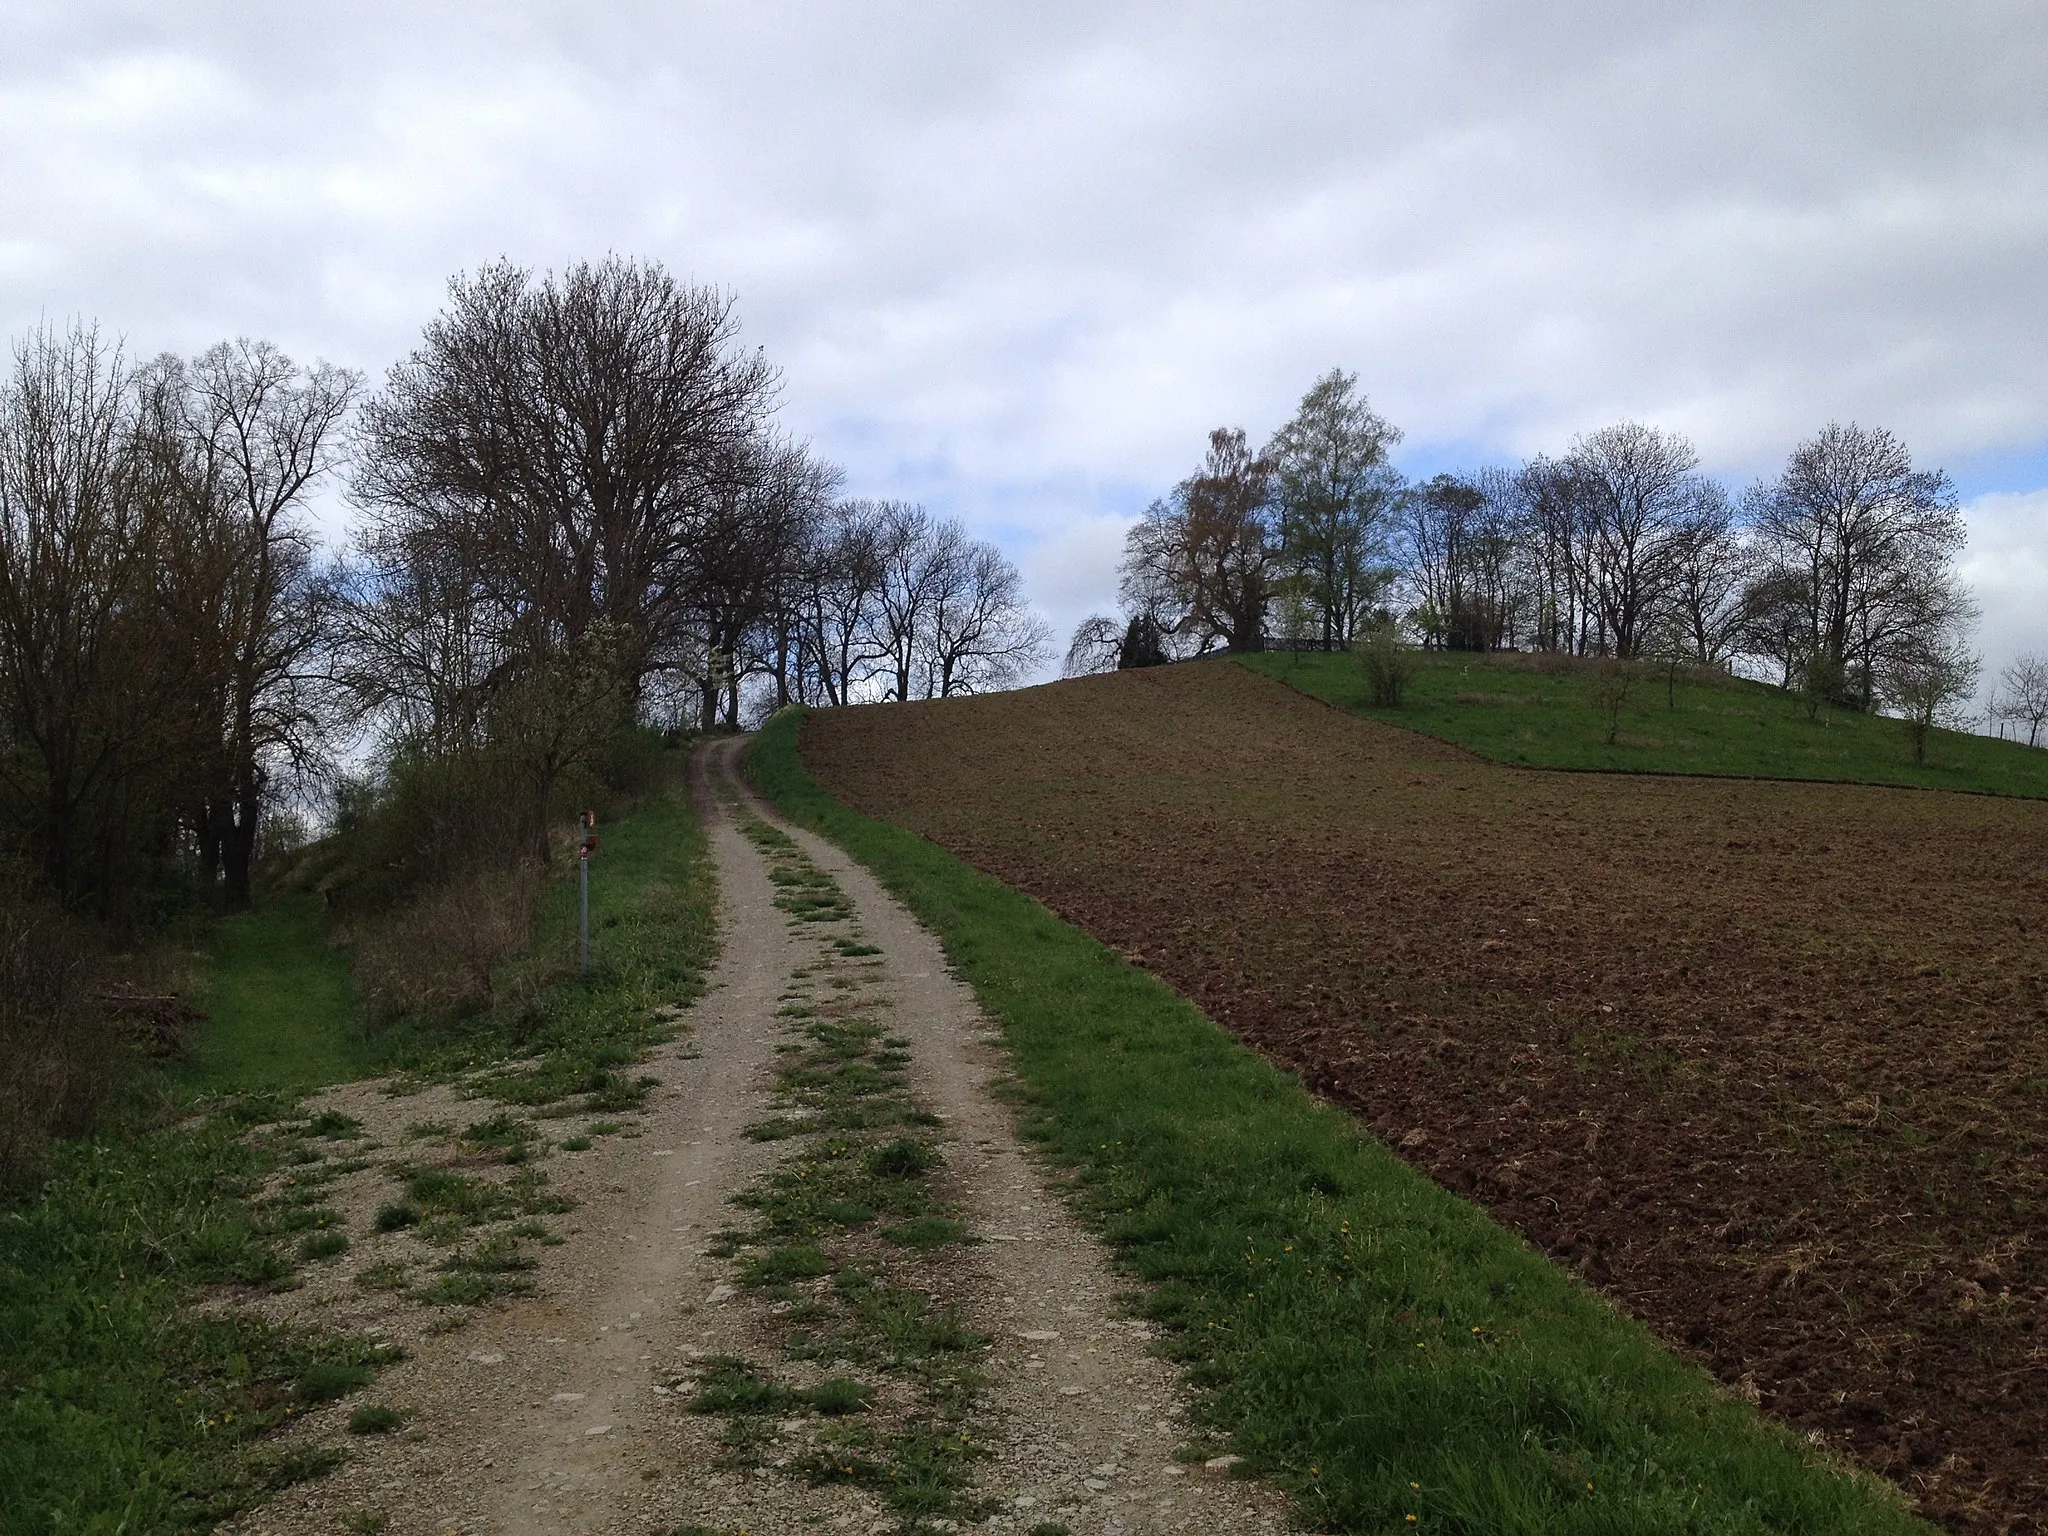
(434, 957)
(1387, 663)
(58, 1049)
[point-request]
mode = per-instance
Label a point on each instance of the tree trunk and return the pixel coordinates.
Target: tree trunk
(209, 851)
(238, 823)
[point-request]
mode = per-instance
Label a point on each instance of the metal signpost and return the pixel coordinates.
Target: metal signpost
(583, 881)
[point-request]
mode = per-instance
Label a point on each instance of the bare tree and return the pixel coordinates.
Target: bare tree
(916, 555)
(564, 441)
(2026, 694)
(841, 586)
(1710, 570)
(1636, 492)
(93, 697)
(1334, 489)
(1457, 539)
(1930, 675)
(1862, 541)
(1094, 648)
(257, 433)
(981, 636)
(1209, 551)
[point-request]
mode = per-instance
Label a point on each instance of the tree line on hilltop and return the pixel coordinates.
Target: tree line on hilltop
(1837, 578)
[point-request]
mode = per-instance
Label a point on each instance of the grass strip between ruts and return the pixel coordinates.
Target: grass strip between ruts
(1376, 1346)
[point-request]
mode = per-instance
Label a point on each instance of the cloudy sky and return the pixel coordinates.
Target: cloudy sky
(1016, 260)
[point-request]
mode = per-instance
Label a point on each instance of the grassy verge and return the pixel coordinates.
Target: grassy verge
(557, 1033)
(281, 1011)
(123, 1408)
(1518, 709)
(1378, 1348)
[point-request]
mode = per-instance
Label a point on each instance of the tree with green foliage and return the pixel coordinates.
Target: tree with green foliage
(1334, 491)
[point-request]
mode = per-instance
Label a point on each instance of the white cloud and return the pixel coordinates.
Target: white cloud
(1017, 259)
(2006, 564)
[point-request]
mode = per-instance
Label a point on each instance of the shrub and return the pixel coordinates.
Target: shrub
(1387, 663)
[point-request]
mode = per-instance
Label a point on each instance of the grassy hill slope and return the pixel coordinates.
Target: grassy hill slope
(1540, 712)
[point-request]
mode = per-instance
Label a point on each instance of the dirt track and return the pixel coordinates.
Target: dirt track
(1767, 1062)
(566, 1412)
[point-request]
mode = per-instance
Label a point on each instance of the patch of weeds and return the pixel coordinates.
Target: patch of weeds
(335, 1126)
(287, 1469)
(438, 1192)
(467, 1288)
(324, 1381)
(925, 1233)
(320, 1246)
(386, 1275)
(429, 1130)
(528, 1188)
(503, 1133)
(397, 1216)
(780, 1128)
(577, 1144)
(603, 1128)
(903, 1160)
(374, 1419)
(780, 1266)
(497, 1255)
(730, 1385)
(840, 1395)
(230, 1252)
(536, 1232)
(366, 1522)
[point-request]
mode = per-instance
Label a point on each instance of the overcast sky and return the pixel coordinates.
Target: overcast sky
(1016, 260)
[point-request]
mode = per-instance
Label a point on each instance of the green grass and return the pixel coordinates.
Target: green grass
(1375, 1346)
(281, 1009)
(125, 1409)
(121, 1409)
(1516, 710)
(557, 1033)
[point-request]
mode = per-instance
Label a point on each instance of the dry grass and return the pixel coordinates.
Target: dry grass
(436, 957)
(58, 1051)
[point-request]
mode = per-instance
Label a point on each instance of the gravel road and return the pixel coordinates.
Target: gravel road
(565, 1411)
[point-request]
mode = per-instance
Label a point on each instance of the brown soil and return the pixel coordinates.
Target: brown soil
(1768, 1063)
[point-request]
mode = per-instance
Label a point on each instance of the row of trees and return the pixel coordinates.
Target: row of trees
(1837, 577)
(575, 514)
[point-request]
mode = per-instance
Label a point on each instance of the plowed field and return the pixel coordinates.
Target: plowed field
(1768, 1063)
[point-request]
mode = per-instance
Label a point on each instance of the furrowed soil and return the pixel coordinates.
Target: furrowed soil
(1766, 1062)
